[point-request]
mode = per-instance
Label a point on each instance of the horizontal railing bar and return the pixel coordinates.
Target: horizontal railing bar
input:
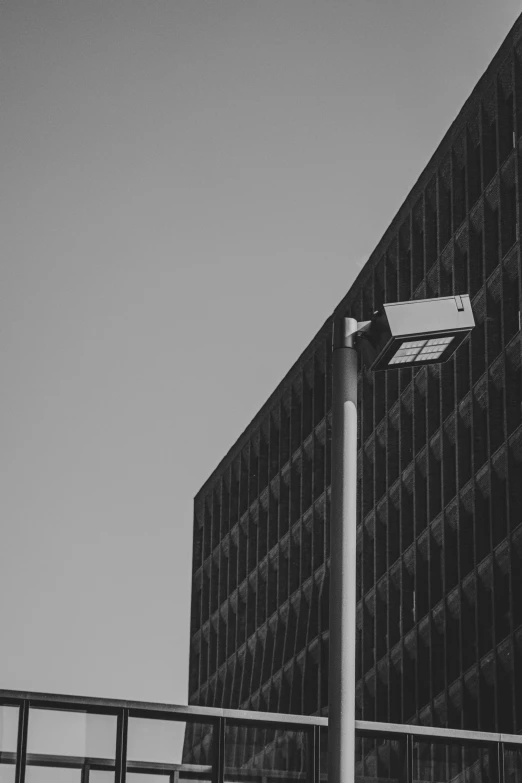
(275, 717)
(191, 712)
(151, 766)
(68, 762)
(139, 708)
(374, 727)
(77, 762)
(232, 774)
(190, 775)
(64, 701)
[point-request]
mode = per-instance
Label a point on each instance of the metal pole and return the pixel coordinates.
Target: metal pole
(343, 562)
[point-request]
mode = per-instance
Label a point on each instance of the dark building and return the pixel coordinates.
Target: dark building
(439, 620)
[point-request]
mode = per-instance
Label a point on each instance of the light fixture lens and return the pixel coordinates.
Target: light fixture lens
(421, 350)
(433, 349)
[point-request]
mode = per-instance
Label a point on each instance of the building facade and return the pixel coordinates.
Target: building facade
(439, 578)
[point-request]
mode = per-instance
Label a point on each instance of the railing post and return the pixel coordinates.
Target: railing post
(122, 728)
(85, 773)
(315, 755)
(21, 742)
(218, 741)
(497, 759)
(409, 758)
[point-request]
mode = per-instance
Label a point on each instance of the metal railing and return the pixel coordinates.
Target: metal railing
(49, 738)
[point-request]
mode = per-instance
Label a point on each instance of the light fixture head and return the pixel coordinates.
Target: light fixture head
(415, 333)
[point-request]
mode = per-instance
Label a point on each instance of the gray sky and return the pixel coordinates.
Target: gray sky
(188, 189)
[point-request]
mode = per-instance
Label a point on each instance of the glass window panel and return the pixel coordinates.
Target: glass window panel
(513, 765)
(62, 733)
(36, 774)
(101, 776)
(377, 759)
(155, 740)
(8, 728)
(166, 777)
(171, 743)
(59, 743)
(143, 777)
(444, 762)
(252, 753)
(7, 772)
(8, 737)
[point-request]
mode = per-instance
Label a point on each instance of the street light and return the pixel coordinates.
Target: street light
(402, 334)
(410, 334)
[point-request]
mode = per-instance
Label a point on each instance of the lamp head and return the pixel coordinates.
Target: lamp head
(415, 333)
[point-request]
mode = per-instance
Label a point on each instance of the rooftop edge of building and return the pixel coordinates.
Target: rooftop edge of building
(470, 106)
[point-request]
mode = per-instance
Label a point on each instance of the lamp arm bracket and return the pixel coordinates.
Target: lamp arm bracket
(347, 331)
(363, 327)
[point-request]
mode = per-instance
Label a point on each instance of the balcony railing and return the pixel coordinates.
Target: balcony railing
(47, 738)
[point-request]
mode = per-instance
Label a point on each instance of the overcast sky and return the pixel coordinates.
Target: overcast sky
(188, 189)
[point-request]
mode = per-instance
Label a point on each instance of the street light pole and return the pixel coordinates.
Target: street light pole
(400, 335)
(343, 561)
